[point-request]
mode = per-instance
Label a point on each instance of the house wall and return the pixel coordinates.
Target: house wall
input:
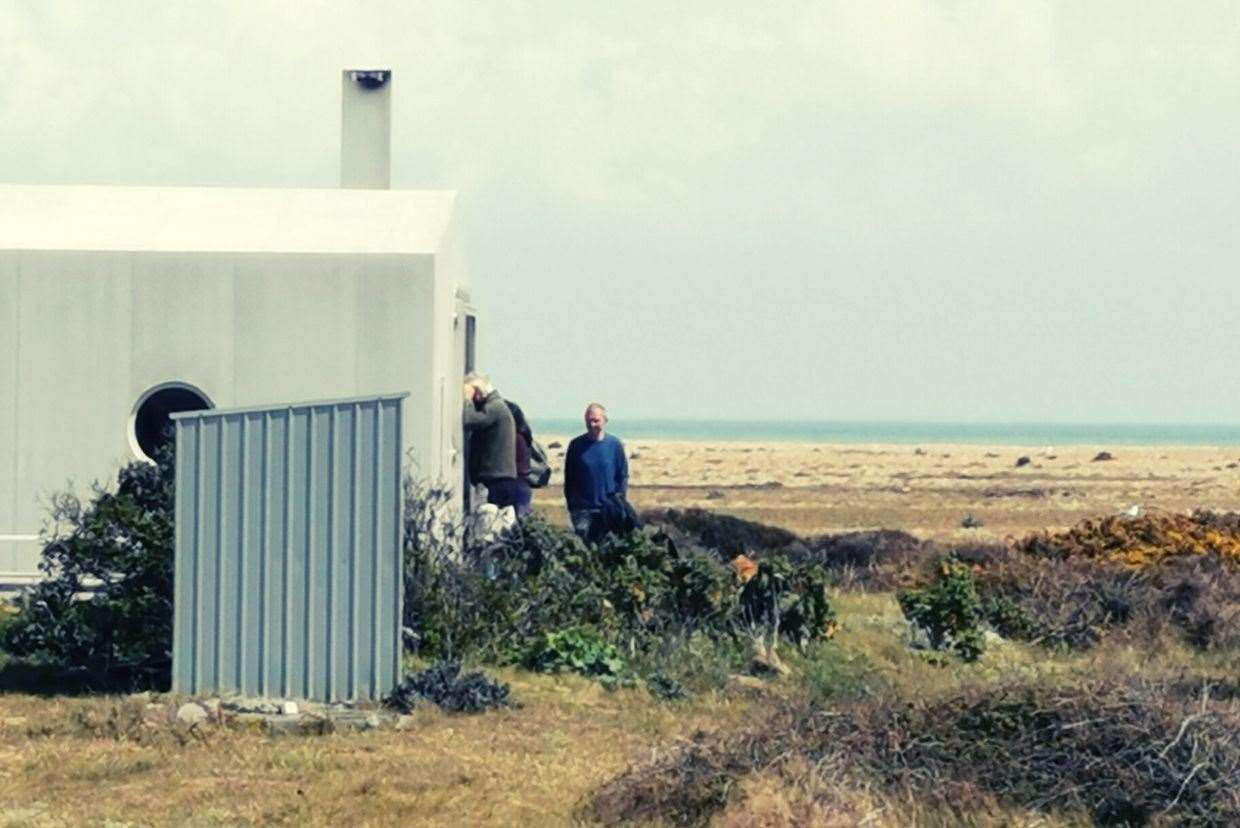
(84, 334)
(8, 411)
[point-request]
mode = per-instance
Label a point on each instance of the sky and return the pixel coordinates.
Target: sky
(935, 211)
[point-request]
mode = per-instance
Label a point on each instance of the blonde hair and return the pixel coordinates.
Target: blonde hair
(479, 380)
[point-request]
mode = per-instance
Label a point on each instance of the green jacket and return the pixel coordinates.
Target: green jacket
(492, 439)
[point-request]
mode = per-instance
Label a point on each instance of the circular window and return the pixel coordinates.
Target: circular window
(151, 426)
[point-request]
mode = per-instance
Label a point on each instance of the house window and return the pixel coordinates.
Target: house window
(471, 341)
(150, 425)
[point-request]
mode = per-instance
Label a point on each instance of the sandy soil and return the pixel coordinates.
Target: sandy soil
(927, 490)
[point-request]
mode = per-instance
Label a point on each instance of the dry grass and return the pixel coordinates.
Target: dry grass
(66, 761)
(791, 795)
(527, 765)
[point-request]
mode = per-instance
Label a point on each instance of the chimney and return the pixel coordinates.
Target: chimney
(366, 129)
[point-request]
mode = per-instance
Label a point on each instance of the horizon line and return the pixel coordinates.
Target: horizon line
(884, 421)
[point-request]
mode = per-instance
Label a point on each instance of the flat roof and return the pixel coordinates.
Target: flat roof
(219, 219)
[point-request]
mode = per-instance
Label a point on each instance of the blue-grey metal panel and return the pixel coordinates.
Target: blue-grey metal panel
(288, 550)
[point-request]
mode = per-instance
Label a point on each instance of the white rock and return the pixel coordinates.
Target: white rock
(251, 704)
(289, 708)
(191, 714)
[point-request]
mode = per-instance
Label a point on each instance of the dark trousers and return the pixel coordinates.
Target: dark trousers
(587, 523)
(502, 491)
(524, 495)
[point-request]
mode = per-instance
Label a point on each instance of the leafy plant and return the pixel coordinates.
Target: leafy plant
(1008, 617)
(949, 611)
(442, 684)
(663, 686)
(789, 601)
(117, 551)
(576, 650)
(636, 592)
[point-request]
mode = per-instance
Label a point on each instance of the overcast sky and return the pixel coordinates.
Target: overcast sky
(949, 210)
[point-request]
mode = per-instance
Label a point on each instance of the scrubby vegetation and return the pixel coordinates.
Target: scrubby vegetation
(949, 611)
(1116, 753)
(539, 597)
(1144, 541)
(1132, 750)
(444, 685)
(102, 617)
(1014, 718)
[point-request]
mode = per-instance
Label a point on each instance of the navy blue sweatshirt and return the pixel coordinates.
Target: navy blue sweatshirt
(594, 470)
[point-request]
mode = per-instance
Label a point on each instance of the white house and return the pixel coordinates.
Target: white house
(120, 305)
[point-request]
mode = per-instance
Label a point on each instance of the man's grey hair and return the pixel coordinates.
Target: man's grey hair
(596, 406)
(480, 381)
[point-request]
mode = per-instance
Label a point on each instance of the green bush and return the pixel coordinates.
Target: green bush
(577, 650)
(104, 607)
(1008, 617)
(443, 684)
(639, 593)
(949, 610)
(664, 687)
(790, 600)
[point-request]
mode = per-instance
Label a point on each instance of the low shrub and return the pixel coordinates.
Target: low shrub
(1145, 541)
(104, 609)
(1125, 753)
(1201, 601)
(443, 685)
(577, 650)
(788, 600)
(699, 660)
(876, 559)
(537, 591)
(870, 559)
(663, 686)
(949, 611)
(1074, 603)
(727, 535)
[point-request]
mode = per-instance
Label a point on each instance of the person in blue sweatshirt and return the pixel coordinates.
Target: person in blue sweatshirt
(595, 469)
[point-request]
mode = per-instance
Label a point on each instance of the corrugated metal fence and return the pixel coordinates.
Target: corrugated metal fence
(288, 550)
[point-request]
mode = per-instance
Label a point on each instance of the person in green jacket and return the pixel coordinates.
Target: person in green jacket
(491, 436)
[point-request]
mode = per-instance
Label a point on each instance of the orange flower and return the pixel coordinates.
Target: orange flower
(744, 567)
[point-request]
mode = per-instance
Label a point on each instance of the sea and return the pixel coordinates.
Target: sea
(907, 433)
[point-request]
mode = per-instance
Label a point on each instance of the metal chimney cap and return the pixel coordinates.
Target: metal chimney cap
(370, 78)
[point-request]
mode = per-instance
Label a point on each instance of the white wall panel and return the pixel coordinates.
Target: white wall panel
(449, 357)
(394, 350)
(14, 555)
(8, 400)
(73, 393)
(183, 323)
(296, 328)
